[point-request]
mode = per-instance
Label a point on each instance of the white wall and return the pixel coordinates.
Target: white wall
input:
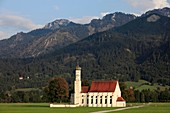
(105, 95)
(63, 105)
(77, 87)
(121, 104)
(77, 90)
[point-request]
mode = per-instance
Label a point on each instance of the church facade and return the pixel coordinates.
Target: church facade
(99, 94)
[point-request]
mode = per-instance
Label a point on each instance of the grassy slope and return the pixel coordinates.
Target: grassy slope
(141, 85)
(27, 89)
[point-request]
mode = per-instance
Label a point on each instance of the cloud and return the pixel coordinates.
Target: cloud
(145, 5)
(83, 20)
(11, 24)
(87, 19)
(3, 35)
(104, 13)
(18, 22)
(161, 3)
(56, 8)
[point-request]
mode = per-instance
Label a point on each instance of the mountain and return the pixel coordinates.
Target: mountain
(164, 12)
(57, 34)
(110, 21)
(57, 24)
(15, 46)
(136, 50)
(62, 32)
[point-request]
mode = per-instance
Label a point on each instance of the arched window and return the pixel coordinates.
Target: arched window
(105, 99)
(87, 99)
(91, 99)
(100, 99)
(110, 99)
(96, 100)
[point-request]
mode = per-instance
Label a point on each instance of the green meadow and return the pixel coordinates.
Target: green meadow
(44, 108)
(150, 108)
(143, 85)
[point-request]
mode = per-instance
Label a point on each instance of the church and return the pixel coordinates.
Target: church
(99, 94)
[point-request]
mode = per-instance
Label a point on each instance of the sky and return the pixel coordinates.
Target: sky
(26, 15)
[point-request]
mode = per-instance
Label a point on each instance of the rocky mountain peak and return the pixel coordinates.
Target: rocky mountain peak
(164, 12)
(112, 20)
(57, 24)
(117, 15)
(153, 18)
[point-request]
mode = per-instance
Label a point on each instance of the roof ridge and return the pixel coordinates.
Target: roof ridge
(105, 81)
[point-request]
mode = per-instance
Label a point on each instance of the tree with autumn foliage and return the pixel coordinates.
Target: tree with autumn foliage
(57, 90)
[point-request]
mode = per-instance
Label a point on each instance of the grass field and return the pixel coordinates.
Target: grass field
(142, 84)
(44, 108)
(151, 108)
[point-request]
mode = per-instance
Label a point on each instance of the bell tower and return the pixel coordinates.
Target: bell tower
(77, 86)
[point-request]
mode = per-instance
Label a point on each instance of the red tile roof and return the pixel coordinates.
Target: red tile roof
(103, 86)
(120, 99)
(84, 89)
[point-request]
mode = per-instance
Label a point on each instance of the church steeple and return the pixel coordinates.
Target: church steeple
(78, 73)
(77, 86)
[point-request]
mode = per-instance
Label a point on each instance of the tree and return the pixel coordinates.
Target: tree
(85, 83)
(164, 96)
(26, 97)
(125, 92)
(137, 95)
(57, 90)
(142, 97)
(131, 95)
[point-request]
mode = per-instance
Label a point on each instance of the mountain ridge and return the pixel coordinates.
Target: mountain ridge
(62, 32)
(59, 33)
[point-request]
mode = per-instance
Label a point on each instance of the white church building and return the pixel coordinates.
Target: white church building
(99, 94)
